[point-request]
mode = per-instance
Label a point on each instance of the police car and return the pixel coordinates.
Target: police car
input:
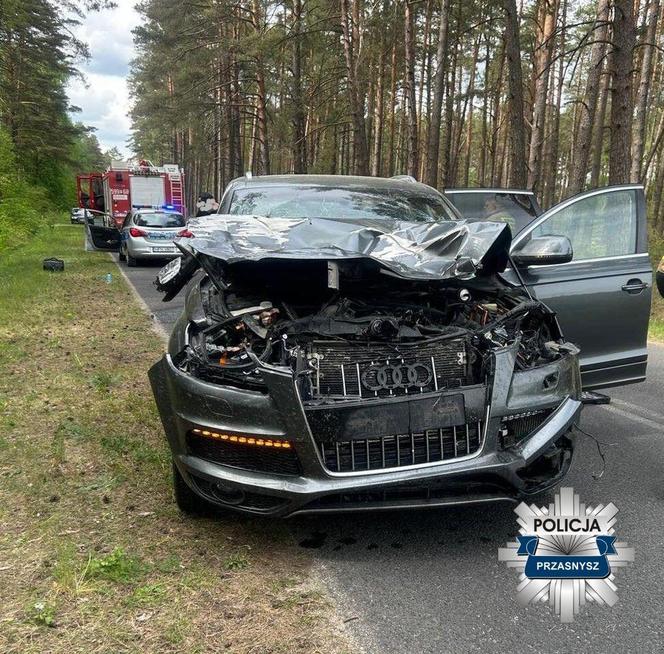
(148, 233)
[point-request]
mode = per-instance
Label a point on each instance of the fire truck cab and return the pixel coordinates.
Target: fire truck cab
(125, 186)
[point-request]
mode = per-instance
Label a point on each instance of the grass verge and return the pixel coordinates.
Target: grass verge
(94, 556)
(656, 327)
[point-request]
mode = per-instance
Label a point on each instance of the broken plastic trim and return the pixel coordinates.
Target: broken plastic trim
(188, 265)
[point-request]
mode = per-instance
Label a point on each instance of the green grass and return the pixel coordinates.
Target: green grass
(656, 327)
(236, 561)
(103, 381)
(117, 566)
(148, 595)
(42, 613)
(95, 556)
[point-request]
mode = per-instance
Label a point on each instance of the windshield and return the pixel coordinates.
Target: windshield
(515, 209)
(340, 203)
(162, 219)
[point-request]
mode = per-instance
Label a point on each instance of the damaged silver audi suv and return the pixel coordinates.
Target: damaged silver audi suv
(352, 343)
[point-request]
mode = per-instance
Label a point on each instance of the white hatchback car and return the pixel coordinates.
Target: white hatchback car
(149, 234)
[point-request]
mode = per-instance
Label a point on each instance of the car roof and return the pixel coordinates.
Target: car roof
(401, 184)
(513, 191)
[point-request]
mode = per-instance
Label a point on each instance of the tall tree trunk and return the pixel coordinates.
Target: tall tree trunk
(433, 148)
(497, 119)
(299, 116)
(425, 74)
(261, 96)
(518, 177)
(485, 116)
(456, 119)
(393, 104)
(350, 17)
(425, 134)
(448, 135)
(553, 150)
(378, 117)
(547, 16)
(470, 106)
(411, 93)
(658, 185)
(648, 47)
(600, 125)
(236, 101)
(657, 141)
(588, 108)
(253, 141)
(369, 121)
(621, 92)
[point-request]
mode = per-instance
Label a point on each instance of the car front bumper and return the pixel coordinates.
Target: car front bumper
(496, 472)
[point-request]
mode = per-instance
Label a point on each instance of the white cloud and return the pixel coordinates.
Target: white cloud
(105, 102)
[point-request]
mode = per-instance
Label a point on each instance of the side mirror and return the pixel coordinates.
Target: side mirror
(544, 251)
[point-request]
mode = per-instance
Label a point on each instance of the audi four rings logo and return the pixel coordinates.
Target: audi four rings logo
(389, 376)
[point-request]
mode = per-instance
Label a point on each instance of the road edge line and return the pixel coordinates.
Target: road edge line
(155, 324)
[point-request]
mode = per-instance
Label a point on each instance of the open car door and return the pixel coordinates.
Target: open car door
(602, 296)
(98, 236)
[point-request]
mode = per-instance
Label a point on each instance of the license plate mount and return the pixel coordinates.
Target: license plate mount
(389, 418)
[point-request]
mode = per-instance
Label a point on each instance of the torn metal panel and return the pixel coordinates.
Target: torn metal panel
(425, 251)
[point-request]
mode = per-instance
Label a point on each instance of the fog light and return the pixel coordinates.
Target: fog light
(244, 440)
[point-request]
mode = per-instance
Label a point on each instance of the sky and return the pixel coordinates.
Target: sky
(105, 102)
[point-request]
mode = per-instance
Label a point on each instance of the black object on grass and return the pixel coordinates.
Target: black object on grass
(54, 265)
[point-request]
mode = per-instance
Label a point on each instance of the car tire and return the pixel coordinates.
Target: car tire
(188, 502)
(132, 262)
(122, 256)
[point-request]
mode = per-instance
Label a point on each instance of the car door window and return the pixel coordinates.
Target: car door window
(598, 226)
(518, 210)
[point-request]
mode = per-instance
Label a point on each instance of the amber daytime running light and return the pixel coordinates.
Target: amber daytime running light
(245, 440)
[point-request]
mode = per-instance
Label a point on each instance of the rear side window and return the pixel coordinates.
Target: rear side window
(602, 225)
(515, 209)
(162, 219)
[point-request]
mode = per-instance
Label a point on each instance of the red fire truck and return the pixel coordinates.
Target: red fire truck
(125, 186)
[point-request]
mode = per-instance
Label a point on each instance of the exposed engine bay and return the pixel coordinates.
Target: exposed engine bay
(369, 355)
(349, 330)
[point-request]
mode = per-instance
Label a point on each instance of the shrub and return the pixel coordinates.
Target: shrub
(24, 205)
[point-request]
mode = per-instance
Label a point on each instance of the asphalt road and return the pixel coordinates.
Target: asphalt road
(429, 581)
(142, 279)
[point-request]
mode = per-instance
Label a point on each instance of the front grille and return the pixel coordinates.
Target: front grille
(384, 370)
(247, 457)
(517, 426)
(433, 445)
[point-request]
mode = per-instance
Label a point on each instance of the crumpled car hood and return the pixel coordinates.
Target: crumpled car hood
(426, 251)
